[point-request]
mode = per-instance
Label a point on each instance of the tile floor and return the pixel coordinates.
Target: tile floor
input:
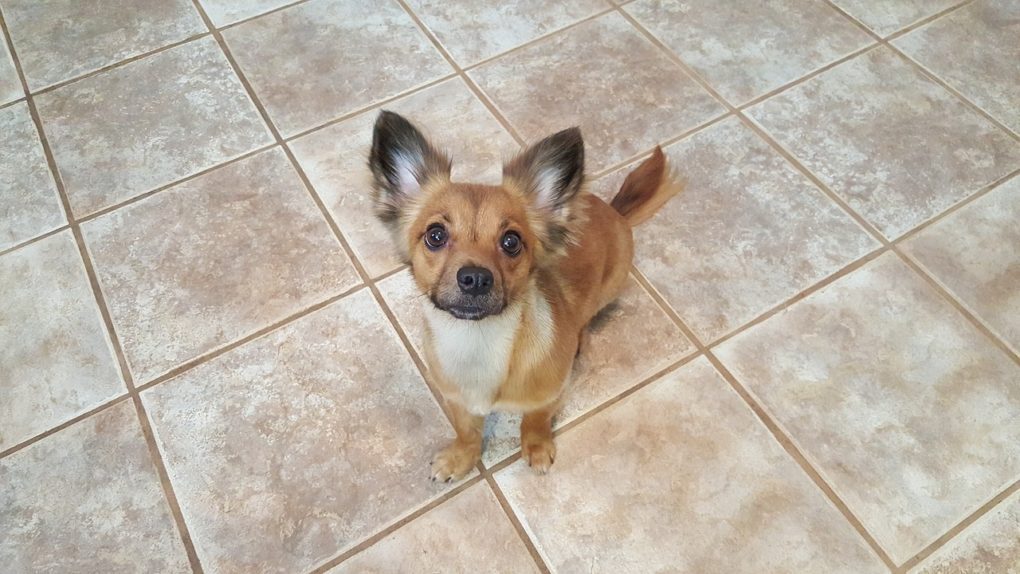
(209, 357)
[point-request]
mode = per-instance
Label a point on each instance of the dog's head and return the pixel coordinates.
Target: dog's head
(473, 249)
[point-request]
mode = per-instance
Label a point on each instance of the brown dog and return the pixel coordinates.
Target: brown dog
(514, 273)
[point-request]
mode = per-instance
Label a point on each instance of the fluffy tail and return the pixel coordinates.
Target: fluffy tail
(646, 189)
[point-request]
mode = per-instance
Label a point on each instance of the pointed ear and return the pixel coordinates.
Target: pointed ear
(550, 172)
(402, 162)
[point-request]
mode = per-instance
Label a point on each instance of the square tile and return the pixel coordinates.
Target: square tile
(30, 204)
(681, 476)
(138, 127)
(747, 233)
(10, 84)
(886, 17)
(61, 39)
(336, 160)
(745, 49)
(895, 145)
(906, 409)
(292, 448)
(213, 259)
(975, 49)
(446, 539)
(224, 12)
(629, 342)
(472, 31)
(604, 76)
(975, 254)
(324, 58)
(88, 499)
(55, 358)
(990, 545)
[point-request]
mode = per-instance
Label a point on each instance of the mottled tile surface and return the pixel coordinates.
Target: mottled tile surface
(989, 546)
(975, 253)
(975, 49)
(135, 128)
(55, 359)
(888, 16)
(905, 408)
(223, 12)
(747, 233)
(324, 58)
(10, 84)
(604, 76)
(30, 205)
(472, 31)
(336, 160)
(632, 340)
(88, 499)
(681, 477)
(896, 146)
(61, 39)
(448, 539)
(292, 448)
(745, 49)
(213, 259)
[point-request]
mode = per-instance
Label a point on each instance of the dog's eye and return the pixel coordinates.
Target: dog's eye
(511, 243)
(436, 237)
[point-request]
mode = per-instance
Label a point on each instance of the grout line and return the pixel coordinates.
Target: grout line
(54, 430)
(516, 523)
(32, 240)
(12, 103)
(961, 526)
(100, 301)
(259, 15)
(478, 92)
(117, 64)
(911, 27)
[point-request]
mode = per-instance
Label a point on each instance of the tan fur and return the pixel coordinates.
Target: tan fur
(520, 359)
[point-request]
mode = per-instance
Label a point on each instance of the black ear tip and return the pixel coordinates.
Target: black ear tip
(390, 120)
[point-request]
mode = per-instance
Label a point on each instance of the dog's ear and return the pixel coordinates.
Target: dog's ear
(551, 175)
(402, 162)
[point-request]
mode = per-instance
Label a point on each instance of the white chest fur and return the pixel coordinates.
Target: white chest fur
(475, 355)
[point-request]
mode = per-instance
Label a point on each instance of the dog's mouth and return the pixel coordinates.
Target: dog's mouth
(470, 311)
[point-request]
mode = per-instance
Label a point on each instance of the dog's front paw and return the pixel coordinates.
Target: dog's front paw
(454, 461)
(539, 453)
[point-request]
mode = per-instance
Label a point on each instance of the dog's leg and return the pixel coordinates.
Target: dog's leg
(457, 459)
(537, 444)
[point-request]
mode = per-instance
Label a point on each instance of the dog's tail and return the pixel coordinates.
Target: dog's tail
(646, 189)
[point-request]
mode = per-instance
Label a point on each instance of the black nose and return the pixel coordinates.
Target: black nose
(474, 280)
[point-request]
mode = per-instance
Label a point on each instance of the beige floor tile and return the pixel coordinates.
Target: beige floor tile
(135, 128)
(88, 499)
(292, 448)
(896, 146)
(55, 359)
(324, 58)
(630, 342)
(604, 76)
(224, 12)
(10, 84)
(989, 546)
(472, 31)
(745, 49)
(975, 253)
(61, 39)
(213, 259)
(681, 477)
(976, 50)
(906, 409)
(30, 205)
(335, 159)
(447, 539)
(747, 233)
(886, 17)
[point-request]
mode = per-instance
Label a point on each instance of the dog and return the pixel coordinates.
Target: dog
(513, 273)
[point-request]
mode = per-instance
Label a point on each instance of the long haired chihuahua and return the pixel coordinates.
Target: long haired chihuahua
(513, 272)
